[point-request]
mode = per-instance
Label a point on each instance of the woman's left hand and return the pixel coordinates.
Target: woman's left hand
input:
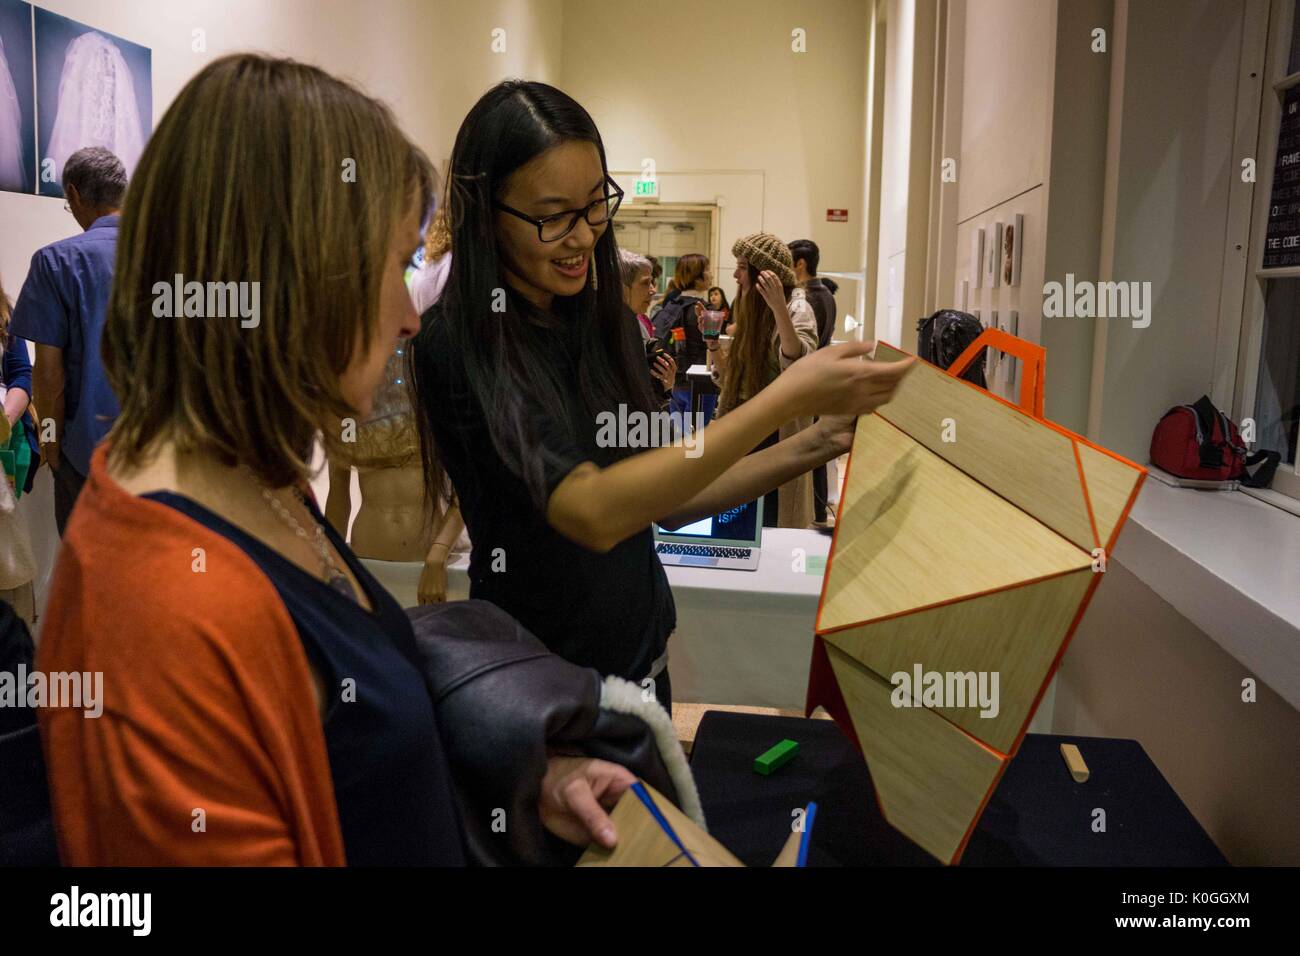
(769, 287)
(666, 370)
(576, 792)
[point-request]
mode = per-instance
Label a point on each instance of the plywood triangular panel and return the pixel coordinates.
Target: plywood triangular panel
(1015, 634)
(914, 531)
(1021, 459)
(1111, 485)
(931, 778)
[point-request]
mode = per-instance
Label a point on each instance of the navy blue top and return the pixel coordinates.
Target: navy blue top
(612, 611)
(16, 372)
(391, 779)
(64, 303)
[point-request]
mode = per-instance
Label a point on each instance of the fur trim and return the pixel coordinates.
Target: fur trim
(625, 697)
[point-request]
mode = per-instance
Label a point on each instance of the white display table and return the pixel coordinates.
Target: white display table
(743, 637)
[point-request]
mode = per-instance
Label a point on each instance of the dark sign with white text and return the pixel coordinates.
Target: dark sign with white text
(1282, 240)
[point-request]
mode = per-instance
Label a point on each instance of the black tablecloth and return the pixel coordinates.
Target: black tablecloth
(1038, 815)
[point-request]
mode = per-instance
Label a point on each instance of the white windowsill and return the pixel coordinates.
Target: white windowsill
(1230, 564)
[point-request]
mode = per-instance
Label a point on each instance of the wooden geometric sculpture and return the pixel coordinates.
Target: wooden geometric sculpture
(970, 538)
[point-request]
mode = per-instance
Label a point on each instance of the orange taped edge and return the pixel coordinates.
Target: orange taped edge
(1087, 499)
(998, 398)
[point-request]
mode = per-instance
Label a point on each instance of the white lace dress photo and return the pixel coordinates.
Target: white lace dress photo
(97, 104)
(13, 172)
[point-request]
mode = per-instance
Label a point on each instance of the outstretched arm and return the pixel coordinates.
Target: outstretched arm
(757, 474)
(600, 507)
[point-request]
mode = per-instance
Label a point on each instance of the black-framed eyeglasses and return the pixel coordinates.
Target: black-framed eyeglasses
(556, 227)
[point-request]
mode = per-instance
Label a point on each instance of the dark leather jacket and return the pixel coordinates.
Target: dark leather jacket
(502, 700)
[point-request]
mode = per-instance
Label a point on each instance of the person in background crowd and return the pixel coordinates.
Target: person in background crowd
(777, 327)
(17, 563)
(638, 287)
(656, 297)
(428, 282)
(718, 302)
(512, 401)
(807, 257)
(16, 379)
(687, 294)
(635, 270)
(61, 308)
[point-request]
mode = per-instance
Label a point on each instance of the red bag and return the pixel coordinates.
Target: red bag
(1199, 441)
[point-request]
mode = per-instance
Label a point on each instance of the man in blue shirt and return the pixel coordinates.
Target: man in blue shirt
(62, 308)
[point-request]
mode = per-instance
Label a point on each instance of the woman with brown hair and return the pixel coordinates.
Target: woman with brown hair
(266, 701)
(775, 327)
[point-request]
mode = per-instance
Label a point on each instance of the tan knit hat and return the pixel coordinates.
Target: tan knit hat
(763, 250)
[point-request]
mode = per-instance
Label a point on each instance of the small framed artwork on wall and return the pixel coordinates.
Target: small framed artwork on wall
(1012, 242)
(993, 245)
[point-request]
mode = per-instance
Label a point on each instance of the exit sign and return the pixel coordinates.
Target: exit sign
(837, 215)
(649, 188)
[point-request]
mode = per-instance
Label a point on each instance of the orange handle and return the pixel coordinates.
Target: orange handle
(1033, 356)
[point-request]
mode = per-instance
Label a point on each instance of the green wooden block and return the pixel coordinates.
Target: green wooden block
(776, 758)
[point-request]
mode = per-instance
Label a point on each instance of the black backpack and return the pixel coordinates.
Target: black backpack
(942, 337)
(675, 314)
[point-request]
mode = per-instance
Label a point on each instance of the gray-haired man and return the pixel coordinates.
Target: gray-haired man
(62, 308)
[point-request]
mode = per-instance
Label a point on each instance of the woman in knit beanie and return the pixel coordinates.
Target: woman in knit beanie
(775, 327)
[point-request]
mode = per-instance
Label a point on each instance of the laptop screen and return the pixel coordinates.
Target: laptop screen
(741, 527)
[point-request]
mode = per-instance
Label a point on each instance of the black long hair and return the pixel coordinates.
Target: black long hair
(508, 357)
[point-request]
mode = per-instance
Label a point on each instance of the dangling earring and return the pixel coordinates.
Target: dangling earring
(591, 273)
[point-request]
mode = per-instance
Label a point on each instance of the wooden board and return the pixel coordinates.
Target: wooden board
(1112, 486)
(914, 531)
(789, 855)
(1019, 458)
(643, 842)
(931, 779)
(1015, 633)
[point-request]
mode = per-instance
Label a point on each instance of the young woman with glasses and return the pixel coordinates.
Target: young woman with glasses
(515, 365)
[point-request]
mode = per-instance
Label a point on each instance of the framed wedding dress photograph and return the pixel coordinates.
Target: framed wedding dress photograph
(92, 89)
(17, 99)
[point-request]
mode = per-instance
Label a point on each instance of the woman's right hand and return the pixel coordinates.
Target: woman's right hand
(840, 380)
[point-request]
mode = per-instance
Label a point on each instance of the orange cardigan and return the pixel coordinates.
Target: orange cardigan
(207, 699)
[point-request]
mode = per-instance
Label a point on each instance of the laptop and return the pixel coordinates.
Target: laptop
(729, 540)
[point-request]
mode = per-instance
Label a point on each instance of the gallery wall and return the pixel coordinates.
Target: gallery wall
(1174, 170)
(717, 97)
(429, 59)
